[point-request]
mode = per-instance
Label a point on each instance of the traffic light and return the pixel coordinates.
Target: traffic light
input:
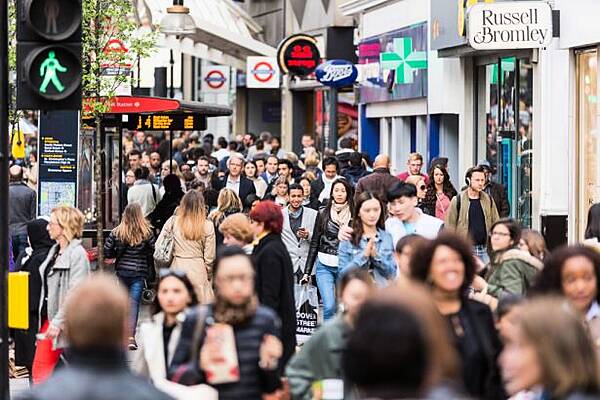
(49, 54)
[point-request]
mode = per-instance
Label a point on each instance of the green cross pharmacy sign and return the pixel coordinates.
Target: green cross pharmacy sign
(404, 60)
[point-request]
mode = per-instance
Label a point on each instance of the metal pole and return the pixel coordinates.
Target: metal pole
(333, 110)
(4, 238)
(172, 88)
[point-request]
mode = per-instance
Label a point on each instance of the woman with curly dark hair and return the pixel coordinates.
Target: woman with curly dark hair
(574, 272)
(440, 192)
(448, 266)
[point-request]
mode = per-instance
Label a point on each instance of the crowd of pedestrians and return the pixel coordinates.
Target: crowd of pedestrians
(425, 291)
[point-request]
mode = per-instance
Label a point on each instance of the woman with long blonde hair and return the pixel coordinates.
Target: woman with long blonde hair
(131, 243)
(194, 243)
(65, 267)
(228, 203)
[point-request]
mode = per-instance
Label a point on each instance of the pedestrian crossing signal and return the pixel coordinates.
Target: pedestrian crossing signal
(49, 54)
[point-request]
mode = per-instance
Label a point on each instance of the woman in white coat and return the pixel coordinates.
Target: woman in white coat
(159, 337)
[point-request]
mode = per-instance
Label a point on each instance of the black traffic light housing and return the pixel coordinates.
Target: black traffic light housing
(49, 54)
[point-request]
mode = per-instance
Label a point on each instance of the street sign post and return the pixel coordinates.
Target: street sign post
(58, 157)
(4, 236)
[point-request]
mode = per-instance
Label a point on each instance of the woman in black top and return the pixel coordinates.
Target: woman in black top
(169, 202)
(323, 252)
(132, 244)
(274, 278)
(447, 265)
(30, 261)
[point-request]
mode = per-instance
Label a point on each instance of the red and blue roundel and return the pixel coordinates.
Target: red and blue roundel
(336, 73)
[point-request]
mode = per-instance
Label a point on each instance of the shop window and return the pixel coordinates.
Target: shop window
(504, 129)
(587, 127)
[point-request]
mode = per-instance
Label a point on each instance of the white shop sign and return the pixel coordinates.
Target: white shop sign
(509, 25)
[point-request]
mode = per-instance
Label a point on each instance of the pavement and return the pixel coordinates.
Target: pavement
(18, 386)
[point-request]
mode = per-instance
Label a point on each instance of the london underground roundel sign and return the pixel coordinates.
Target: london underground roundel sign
(336, 73)
(215, 79)
(298, 55)
(263, 71)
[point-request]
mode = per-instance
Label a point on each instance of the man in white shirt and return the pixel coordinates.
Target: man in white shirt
(272, 166)
(407, 218)
(223, 150)
(143, 191)
(234, 180)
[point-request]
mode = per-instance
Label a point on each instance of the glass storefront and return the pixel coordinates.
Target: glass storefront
(587, 134)
(505, 128)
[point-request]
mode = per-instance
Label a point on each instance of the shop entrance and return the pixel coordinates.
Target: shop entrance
(504, 128)
(588, 141)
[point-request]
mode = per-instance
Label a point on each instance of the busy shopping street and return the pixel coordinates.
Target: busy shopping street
(299, 199)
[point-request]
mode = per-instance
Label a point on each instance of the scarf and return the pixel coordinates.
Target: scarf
(297, 214)
(340, 213)
(234, 314)
(327, 188)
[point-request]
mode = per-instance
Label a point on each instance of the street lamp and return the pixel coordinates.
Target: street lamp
(178, 21)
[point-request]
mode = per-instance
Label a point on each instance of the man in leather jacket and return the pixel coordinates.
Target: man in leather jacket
(496, 190)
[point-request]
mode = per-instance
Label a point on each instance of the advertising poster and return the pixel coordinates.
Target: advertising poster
(407, 79)
(58, 157)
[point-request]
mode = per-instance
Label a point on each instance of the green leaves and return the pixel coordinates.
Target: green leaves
(112, 44)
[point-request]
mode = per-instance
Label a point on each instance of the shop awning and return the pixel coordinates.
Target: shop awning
(220, 25)
(144, 104)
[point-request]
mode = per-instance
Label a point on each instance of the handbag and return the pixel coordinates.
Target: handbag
(163, 249)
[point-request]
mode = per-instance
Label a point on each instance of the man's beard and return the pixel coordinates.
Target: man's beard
(234, 314)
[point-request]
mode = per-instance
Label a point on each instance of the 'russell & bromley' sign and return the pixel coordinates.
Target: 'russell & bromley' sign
(510, 25)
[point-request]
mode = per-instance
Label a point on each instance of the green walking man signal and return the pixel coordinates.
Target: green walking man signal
(48, 70)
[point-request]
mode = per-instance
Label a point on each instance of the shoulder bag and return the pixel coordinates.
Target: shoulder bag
(163, 249)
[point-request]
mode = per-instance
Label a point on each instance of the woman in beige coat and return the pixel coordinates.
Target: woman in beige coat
(194, 244)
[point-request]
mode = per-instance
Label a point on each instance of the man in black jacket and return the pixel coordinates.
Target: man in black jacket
(496, 190)
(22, 206)
(255, 330)
(96, 320)
(234, 179)
(355, 170)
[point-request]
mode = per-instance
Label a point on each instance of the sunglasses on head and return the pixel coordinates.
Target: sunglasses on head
(166, 272)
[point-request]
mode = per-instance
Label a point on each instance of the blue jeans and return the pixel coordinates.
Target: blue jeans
(134, 286)
(326, 282)
(480, 251)
(19, 244)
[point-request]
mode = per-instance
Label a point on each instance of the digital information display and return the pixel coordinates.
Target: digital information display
(165, 122)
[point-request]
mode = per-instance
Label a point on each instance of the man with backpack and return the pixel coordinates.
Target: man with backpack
(473, 212)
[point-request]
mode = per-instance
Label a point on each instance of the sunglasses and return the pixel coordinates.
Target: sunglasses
(166, 272)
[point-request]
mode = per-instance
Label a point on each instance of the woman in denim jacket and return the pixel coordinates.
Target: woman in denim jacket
(370, 246)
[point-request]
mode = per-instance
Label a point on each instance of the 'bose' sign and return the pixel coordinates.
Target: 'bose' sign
(510, 25)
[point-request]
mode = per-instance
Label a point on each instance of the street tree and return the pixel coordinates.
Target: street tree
(112, 42)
